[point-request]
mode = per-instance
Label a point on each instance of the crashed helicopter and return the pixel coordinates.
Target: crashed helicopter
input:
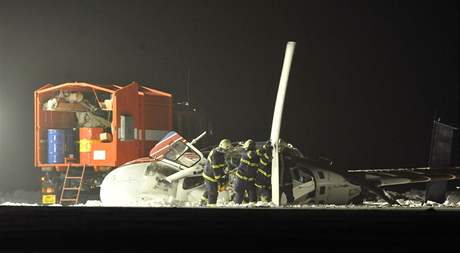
(173, 170)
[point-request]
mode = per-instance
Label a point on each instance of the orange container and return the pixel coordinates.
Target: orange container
(88, 137)
(150, 110)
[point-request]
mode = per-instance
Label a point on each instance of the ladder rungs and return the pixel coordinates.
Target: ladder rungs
(67, 176)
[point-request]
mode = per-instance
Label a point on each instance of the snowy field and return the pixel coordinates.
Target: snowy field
(408, 200)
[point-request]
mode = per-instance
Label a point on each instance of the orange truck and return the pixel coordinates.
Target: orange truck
(82, 131)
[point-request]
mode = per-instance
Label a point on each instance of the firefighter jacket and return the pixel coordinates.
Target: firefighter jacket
(214, 169)
(248, 166)
(263, 176)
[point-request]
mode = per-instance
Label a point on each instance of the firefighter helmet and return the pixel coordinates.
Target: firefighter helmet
(249, 145)
(267, 145)
(225, 144)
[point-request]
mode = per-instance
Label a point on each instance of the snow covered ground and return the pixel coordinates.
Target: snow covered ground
(20, 197)
(410, 199)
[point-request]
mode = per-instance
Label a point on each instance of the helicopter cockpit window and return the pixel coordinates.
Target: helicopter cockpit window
(166, 171)
(305, 178)
(155, 168)
(150, 169)
(321, 174)
(301, 175)
(177, 149)
(295, 174)
(182, 154)
(192, 182)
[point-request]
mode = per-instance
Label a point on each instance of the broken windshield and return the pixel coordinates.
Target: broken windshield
(182, 154)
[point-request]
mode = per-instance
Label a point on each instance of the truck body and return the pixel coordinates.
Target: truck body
(96, 128)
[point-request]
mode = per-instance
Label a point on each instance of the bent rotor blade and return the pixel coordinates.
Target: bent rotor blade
(277, 117)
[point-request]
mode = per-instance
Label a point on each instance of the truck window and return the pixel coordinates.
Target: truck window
(127, 131)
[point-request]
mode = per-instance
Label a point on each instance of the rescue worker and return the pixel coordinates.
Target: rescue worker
(214, 172)
(263, 176)
(246, 173)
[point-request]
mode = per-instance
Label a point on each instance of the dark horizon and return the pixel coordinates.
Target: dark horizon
(366, 82)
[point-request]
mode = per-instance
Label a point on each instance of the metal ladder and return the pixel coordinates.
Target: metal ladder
(71, 190)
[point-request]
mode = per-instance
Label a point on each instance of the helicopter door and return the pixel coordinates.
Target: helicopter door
(304, 185)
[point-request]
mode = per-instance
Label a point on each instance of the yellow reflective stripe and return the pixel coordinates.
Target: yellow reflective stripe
(218, 166)
(263, 173)
(210, 154)
(248, 162)
(209, 178)
(250, 155)
(258, 152)
(218, 177)
(243, 177)
(260, 186)
(266, 156)
(263, 162)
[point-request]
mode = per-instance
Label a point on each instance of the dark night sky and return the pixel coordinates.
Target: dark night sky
(365, 83)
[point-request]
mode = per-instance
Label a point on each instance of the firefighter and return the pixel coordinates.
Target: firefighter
(263, 176)
(214, 172)
(246, 173)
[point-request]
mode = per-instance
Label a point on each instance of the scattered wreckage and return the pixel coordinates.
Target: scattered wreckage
(176, 174)
(174, 169)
